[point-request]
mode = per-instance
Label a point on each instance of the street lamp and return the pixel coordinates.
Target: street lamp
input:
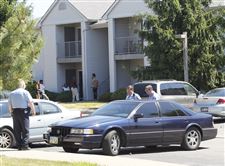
(183, 36)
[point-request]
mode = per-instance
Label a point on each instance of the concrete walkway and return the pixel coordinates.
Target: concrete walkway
(73, 157)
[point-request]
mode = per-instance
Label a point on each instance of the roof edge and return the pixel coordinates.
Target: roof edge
(39, 24)
(108, 11)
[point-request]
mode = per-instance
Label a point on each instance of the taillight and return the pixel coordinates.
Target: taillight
(221, 101)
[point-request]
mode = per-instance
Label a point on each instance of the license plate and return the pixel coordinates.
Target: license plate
(54, 140)
(204, 109)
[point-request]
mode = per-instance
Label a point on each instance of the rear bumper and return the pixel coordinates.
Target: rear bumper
(218, 111)
(209, 133)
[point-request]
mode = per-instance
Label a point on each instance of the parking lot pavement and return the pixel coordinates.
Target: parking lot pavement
(70, 157)
(210, 153)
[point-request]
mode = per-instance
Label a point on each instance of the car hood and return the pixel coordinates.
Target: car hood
(86, 122)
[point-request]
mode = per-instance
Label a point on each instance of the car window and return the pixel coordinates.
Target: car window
(118, 109)
(48, 108)
(172, 89)
(216, 93)
(4, 110)
(189, 90)
(170, 109)
(37, 109)
(140, 88)
(148, 110)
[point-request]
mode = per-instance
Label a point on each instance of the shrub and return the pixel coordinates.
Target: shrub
(51, 95)
(64, 96)
(120, 94)
(106, 97)
(31, 87)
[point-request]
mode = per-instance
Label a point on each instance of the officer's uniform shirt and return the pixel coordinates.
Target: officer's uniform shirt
(154, 96)
(19, 98)
(133, 96)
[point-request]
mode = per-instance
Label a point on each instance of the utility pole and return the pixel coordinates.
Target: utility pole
(183, 36)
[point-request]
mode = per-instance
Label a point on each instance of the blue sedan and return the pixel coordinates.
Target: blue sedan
(133, 123)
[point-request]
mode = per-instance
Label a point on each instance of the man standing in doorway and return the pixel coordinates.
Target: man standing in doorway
(94, 86)
(20, 103)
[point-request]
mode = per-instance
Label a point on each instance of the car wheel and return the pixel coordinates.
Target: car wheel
(70, 149)
(111, 143)
(192, 139)
(7, 139)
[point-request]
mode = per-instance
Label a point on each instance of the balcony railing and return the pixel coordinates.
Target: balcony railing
(73, 49)
(128, 45)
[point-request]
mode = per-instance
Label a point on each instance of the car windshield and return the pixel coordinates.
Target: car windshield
(117, 109)
(216, 93)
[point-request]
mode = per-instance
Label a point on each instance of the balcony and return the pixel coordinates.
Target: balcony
(128, 45)
(69, 52)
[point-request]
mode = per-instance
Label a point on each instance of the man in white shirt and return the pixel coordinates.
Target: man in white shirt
(131, 95)
(151, 93)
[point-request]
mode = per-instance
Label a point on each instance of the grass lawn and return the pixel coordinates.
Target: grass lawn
(83, 105)
(8, 161)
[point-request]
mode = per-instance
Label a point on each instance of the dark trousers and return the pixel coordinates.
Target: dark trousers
(95, 93)
(21, 126)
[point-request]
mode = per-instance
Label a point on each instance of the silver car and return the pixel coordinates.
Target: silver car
(173, 90)
(47, 112)
(213, 102)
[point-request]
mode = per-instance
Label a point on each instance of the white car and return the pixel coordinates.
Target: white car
(47, 112)
(213, 102)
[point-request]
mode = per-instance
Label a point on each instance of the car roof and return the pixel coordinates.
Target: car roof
(222, 88)
(34, 100)
(158, 81)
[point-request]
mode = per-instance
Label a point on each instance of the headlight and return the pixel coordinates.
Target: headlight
(81, 131)
(49, 129)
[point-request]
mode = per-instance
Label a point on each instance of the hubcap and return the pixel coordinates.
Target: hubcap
(5, 140)
(193, 139)
(115, 143)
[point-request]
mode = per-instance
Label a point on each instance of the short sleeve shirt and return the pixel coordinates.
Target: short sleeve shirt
(154, 96)
(19, 98)
(133, 96)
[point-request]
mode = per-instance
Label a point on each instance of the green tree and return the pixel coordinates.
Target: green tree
(20, 44)
(205, 27)
(6, 9)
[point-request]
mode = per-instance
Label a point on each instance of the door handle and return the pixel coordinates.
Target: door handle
(39, 120)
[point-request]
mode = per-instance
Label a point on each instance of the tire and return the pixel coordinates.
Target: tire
(192, 139)
(7, 139)
(70, 149)
(111, 143)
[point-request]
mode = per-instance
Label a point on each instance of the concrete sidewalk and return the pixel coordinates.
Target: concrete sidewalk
(73, 157)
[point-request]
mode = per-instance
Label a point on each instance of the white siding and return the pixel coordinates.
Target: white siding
(124, 68)
(50, 61)
(125, 8)
(67, 15)
(97, 58)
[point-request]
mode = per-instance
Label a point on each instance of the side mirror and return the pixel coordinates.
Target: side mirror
(137, 116)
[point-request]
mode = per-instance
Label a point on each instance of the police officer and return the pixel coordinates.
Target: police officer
(131, 95)
(20, 104)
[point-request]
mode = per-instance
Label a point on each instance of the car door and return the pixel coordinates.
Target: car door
(37, 124)
(174, 121)
(51, 113)
(148, 129)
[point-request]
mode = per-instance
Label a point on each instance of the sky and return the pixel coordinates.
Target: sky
(39, 7)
